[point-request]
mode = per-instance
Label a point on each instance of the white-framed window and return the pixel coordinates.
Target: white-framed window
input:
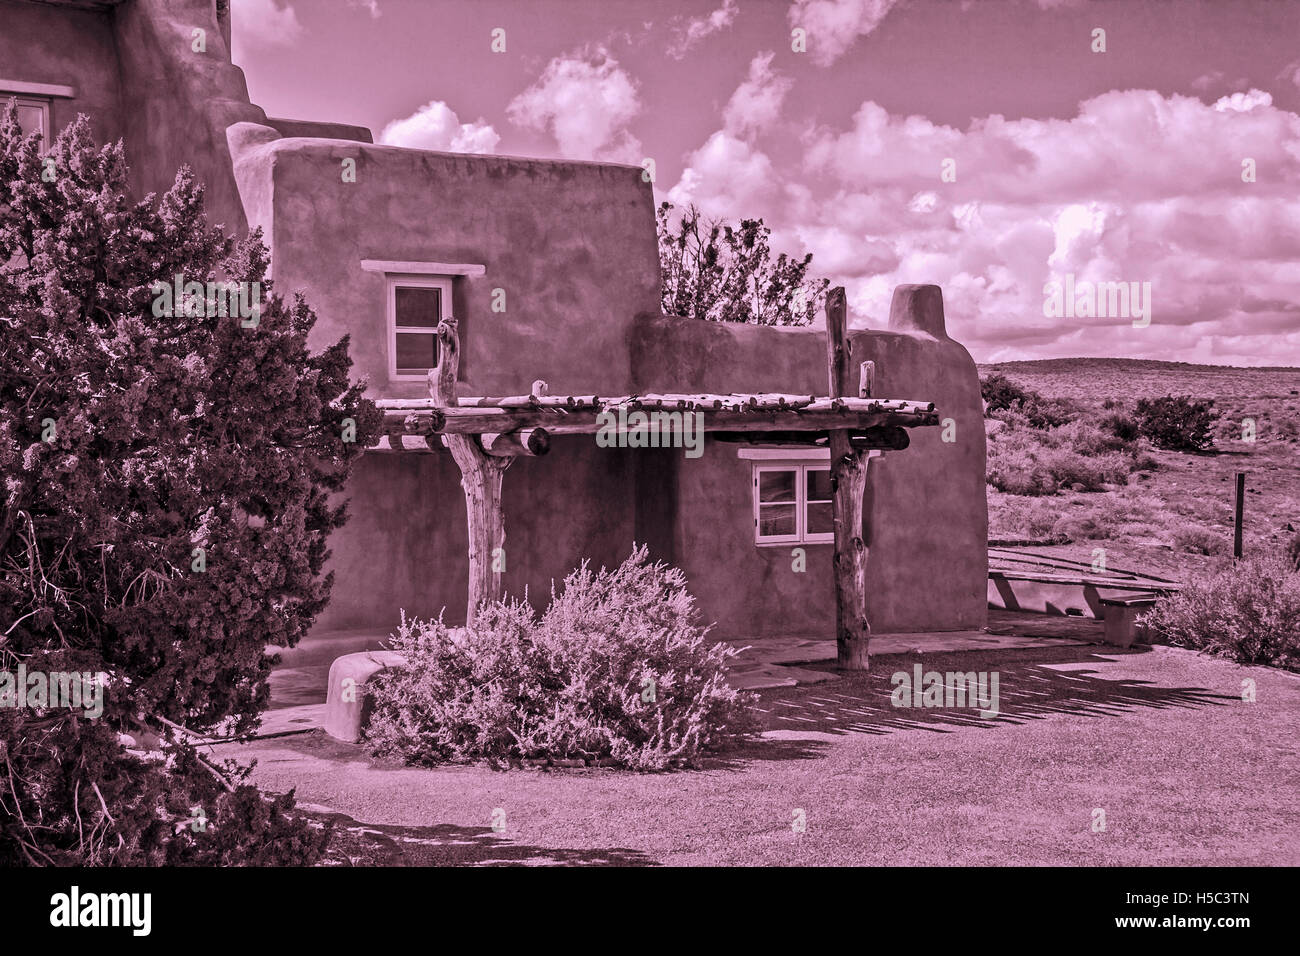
(792, 502)
(416, 304)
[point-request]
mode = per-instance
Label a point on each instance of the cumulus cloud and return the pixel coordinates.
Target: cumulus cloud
(1135, 187)
(690, 31)
(756, 104)
(263, 24)
(835, 25)
(1291, 73)
(435, 125)
(585, 101)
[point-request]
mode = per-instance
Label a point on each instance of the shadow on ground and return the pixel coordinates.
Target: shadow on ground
(1054, 681)
(368, 844)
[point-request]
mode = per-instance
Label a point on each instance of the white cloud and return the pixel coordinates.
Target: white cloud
(263, 24)
(436, 126)
(586, 101)
(695, 29)
(1241, 102)
(835, 25)
(756, 104)
(1136, 187)
(370, 5)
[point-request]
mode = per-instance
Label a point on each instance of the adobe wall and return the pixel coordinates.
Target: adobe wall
(572, 244)
(65, 47)
(925, 519)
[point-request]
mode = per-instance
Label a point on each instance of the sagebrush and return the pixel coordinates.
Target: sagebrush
(1248, 612)
(618, 669)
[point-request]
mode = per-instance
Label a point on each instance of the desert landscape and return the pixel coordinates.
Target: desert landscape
(1076, 486)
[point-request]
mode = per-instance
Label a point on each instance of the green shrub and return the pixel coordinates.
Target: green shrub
(1176, 423)
(1199, 540)
(1030, 461)
(617, 669)
(1000, 393)
(1248, 612)
(1124, 427)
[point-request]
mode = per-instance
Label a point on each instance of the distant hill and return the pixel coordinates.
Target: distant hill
(1093, 380)
(1088, 364)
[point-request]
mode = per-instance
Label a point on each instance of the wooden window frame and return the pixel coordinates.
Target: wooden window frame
(395, 282)
(801, 533)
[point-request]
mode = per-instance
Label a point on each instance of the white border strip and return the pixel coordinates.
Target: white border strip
(473, 270)
(12, 87)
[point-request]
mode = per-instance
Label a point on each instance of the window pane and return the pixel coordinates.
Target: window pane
(820, 519)
(819, 484)
(775, 520)
(417, 352)
(418, 308)
(31, 119)
(776, 485)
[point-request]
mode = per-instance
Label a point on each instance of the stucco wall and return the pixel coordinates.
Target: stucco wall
(572, 244)
(404, 546)
(925, 520)
(181, 101)
(66, 47)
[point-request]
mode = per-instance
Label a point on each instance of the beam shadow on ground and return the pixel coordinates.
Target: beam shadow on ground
(1028, 690)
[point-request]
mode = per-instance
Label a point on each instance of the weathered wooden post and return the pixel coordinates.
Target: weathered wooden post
(1240, 514)
(848, 482)
(480, 477)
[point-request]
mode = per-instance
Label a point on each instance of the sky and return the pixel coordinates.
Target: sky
(988, 146)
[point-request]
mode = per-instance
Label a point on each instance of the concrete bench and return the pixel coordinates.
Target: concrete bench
(1120, 614)
(347, 708)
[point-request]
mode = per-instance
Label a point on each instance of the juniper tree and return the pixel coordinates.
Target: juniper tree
(712, 270)
(169, 484)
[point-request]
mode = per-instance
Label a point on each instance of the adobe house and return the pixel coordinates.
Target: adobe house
(386, 242)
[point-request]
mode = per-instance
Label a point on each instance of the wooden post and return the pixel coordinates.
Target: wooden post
(848, 482)
(1241, 509)
(480, 477)
(866, 379)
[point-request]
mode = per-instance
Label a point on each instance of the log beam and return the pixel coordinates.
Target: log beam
(883, 438)
(530, 442)
(477, 421)
(848, 483)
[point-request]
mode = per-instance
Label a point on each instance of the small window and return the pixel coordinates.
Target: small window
(792, 503)
(33, 115)
(416, 304)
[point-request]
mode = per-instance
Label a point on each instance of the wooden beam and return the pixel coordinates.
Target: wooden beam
(480, 478)
(530, 442)
(477, 421)
(848, 482)
(887, 437)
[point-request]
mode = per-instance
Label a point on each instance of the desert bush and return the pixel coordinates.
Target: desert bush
(1291, 552)
(1031, 461)
(1123, 427)
(1089, 438)
(1195, 539)
(1248, 612)
(128, 440)
(617, 669)
(1000, 392)
(1176, 423)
